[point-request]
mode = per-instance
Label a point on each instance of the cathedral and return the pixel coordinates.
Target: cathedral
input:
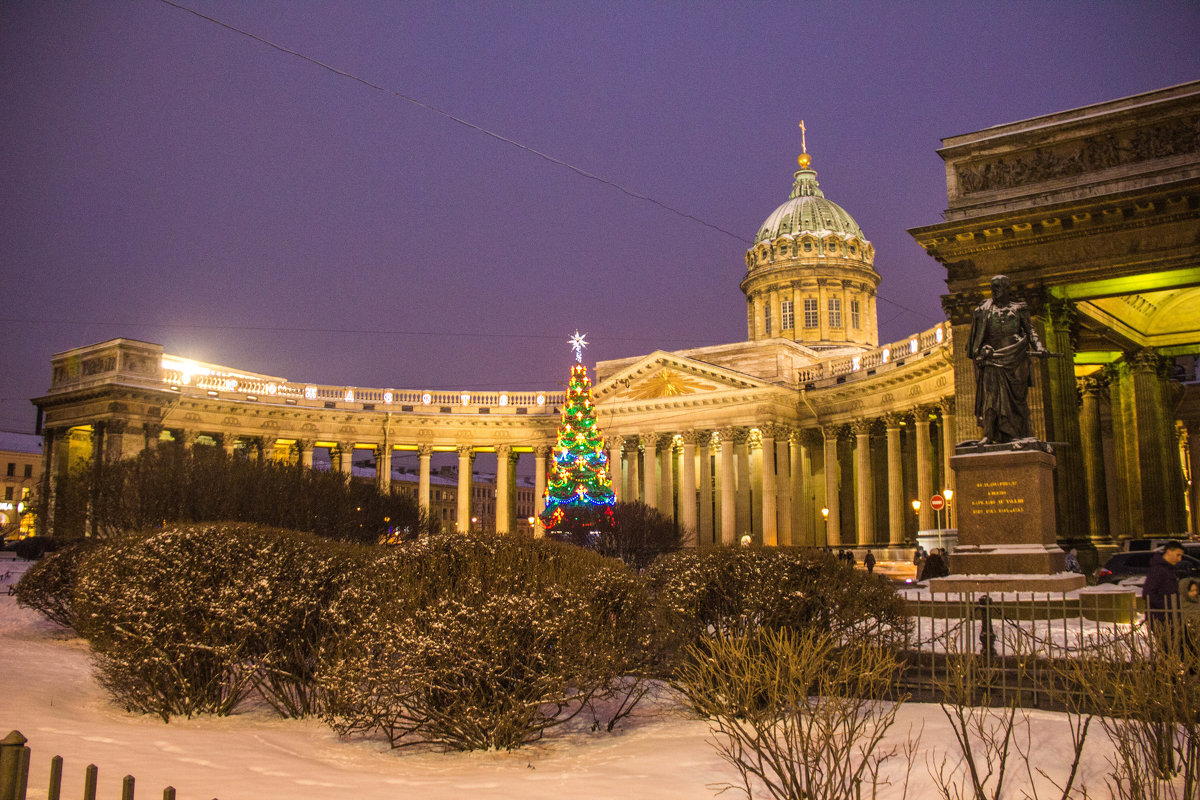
(811, 431)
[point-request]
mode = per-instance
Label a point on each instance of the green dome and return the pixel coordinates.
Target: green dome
(807, 211)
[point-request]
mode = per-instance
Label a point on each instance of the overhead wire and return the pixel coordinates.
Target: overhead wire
(487, 132)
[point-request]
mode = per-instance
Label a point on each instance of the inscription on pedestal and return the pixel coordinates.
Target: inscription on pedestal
(997, 497)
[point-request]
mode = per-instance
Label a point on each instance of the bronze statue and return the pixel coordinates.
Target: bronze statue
(1001, 344)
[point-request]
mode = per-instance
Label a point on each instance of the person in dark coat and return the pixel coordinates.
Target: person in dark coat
(1161, 589)
(869, 562)
(935, 566)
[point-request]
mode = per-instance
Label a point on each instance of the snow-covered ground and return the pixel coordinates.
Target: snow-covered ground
(48, 693)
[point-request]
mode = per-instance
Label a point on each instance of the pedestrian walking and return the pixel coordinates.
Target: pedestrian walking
(869, 562)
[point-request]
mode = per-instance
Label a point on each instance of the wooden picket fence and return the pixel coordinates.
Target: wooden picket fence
(14, 774)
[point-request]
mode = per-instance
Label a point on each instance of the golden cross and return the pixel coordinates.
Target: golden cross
(803, 130)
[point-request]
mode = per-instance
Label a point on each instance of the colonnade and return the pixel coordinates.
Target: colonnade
(838, 485)
(115, 439)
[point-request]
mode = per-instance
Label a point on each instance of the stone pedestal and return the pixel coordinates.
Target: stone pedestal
(1006, 529)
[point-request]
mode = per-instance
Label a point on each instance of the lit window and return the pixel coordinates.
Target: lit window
(426, 399)
(835, 312)
(854, 317)
(856, 363)
(912, 346)
(310, 393)
(787, 318)
(810, 312)
(887, 354)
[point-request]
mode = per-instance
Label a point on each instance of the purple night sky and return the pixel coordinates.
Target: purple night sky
(170, 180)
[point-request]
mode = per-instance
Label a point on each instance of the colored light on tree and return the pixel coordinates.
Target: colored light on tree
(579, 491)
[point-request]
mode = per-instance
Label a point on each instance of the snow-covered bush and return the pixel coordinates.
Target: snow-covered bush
(191, 619)
(728, 591)
(480, 642)
(48, 585)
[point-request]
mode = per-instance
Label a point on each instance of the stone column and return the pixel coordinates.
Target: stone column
(304, 450)
(424, 459)
(704, 456)
(801, 506)
(1149, 446)
(745, 514)
(45, 520)
(229, 444)
(1193, 454)
(833, 523)
(948, 444)
(959, 308)
(540, 454)
(345, 456)
(1070, 478)
(770, 517)
(503, 486)
(924, 468)
(615, 445)
(97, 465)
(806, 503)
(688, 506)
(383, 467)
(114, 449)
(864, 496)
(895, 481)
(633, 477)
(1091, 391)
(650, 476)
(728, 485)
(783, 484)
(666, 483)
(466, 456)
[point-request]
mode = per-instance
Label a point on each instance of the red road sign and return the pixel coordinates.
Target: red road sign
(937, 502)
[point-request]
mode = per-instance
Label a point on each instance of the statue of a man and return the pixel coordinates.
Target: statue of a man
(1001, 343)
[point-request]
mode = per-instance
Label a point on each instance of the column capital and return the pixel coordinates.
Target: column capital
(735, 435)
(153, 430)
(1146, 359)
(542, 450)
(465, 450)
(345, 447)
(960, 307)
(117, 426)
(697, 437)
(615, 442)
(829, 432)
(807, 437)
(920, 414)
(775, 430)
(503, 450)
(892, 420)
(424, 450)
(189, 437)
(304, 444)
(862, 427)
(946, 405)
(1093, 385)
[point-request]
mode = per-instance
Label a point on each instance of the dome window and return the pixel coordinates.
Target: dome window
(832, 247)
(853, 250)
(808, 247)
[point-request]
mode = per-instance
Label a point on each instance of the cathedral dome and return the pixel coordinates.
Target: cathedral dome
(807, 210)
(810, 274)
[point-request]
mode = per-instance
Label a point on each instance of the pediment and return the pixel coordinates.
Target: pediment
(665, 376)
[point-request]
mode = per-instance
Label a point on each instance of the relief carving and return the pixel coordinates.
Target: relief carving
(1170, 138)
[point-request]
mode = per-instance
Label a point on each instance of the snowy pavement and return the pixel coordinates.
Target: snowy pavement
(48, 693)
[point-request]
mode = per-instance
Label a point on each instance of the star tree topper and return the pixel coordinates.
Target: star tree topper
(577, 343)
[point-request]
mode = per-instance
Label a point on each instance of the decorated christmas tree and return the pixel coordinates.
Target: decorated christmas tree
(579, 495)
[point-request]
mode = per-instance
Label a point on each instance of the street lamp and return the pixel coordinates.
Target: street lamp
(948, 493)
(825, 516)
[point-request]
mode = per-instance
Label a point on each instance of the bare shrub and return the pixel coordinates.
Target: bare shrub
(794, 712)
(1146, 694)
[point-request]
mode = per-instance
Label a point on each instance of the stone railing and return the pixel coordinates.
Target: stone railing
(887, 356)
(243, 387)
